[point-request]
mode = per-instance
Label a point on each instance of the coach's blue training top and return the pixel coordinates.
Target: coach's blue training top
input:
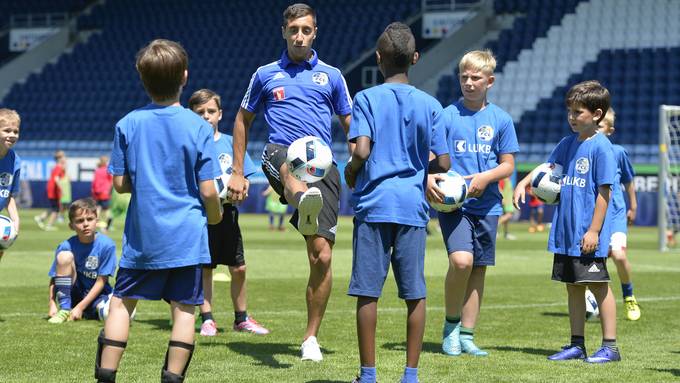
(91, 259)
(399, 120)
(586, 165)
(224, 146)
(166, 151)
(10, 174)
(616, 211)
(299, 99)
(476, 140)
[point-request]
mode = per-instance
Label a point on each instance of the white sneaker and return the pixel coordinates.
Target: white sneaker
(309, 207)
(310, 350)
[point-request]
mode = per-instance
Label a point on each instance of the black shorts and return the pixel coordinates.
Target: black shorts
(273, 157)
(579, 269)
(225, 241)
(104, 203)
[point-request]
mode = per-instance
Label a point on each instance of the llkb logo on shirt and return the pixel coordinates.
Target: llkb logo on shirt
(91, 262)
(320, 78)
(582, 165)
(460, 146)
(485, 132)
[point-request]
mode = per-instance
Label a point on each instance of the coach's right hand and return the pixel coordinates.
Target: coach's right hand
(237, 187)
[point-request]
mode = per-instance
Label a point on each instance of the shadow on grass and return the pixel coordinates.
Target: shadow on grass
(673, 371)
(555, 314)
(430, 347)
(526, 350)
(159, 324)
(265, 353)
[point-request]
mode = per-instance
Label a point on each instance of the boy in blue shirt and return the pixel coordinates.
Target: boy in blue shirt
(10, 165)
(164, 155)
(79, 283)
(580, 235)
(393, 128)
(482, 143)
(619, 218)
(226, 243)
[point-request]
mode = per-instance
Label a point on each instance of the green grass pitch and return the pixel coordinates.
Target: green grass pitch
(523, 319)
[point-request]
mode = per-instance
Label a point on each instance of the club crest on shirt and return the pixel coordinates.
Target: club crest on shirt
(582, 165)
(279, 93)
(91, 262)
(320, 78)
(225, 162)
(6, 179)
(485, 132)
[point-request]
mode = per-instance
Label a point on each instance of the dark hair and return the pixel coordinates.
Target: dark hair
(397, 45)
(86, 204)
(296, 11)
(202, 96)
(591, 95)
(161, 66)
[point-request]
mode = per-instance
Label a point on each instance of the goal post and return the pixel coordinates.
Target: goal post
(669, 173)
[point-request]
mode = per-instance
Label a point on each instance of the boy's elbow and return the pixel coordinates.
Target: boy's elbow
(444, 162)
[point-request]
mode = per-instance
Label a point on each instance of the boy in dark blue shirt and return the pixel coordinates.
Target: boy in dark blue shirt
(393, 127)
(580, 235)
(164, 155)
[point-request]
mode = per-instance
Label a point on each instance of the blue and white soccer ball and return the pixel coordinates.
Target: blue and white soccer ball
(455, 190)
(592, 309)
(8, 233)
(221, 183)
(103, 309)
(545, 182)
(309, 159)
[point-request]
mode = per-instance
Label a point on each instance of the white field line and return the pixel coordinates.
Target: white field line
(265, 313)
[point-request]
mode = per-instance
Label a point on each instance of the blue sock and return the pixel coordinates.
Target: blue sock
(62, 287)
(367, 374)
(410, 375)
(627, 289)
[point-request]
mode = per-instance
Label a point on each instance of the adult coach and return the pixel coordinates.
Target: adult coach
(299, 94)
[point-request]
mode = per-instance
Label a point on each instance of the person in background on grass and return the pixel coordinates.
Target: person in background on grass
(505, 186)
(46, 220)
(535, 212)
(102, 184)
(275, 209)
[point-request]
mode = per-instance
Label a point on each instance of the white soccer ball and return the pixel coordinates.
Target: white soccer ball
(221, 183)
(545, 183)
(8, 233)
(309, 159)
(592, 309)
(455, 190)
(103, 309)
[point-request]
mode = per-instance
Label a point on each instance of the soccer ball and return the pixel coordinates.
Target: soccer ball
(455, 190)
(545, 183)
(592, 309)
(8, 233)
(309, 159)
(103, 309)
(221, 183)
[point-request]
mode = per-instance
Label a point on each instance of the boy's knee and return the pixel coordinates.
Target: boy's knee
(461, 260)
(618, 255)
(64, 257)
(237, 270)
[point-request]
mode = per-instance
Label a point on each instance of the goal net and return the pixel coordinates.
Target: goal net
(669, 175)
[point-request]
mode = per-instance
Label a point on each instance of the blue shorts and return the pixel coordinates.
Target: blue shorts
(471, 233)
(90, 311)
(182, 284)
(375, 246)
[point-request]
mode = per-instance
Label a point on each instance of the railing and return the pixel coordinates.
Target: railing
(38, 20)
(450, 5)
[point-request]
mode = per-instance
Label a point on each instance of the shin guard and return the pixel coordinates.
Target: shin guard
(105, 375)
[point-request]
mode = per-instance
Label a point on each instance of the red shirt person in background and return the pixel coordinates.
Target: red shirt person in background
(46, 220)
(101, 191)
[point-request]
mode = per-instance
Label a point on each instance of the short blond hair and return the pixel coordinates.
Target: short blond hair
(479, 61)
(9, 117)
(609, 118)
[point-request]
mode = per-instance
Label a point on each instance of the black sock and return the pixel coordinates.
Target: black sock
(453, 320)
(240, 316)
(207, 316)
(578, 340)
(610, 343)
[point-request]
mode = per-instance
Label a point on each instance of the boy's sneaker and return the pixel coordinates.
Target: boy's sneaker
(252, 326)
(49, 228)
(569, 352)
(451, 339)
(604, 355)
(469, 347)
(309, 207)
(209, 328)
(310, 350)
(60, 317)
(510, 237)
(632, 308)
(39, 221)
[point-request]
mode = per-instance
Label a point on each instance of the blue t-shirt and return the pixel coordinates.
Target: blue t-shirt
(476, 139)
(166, 151)
(92, 260)
(299, 99)
(616, 211)
(586, 166)
(10, 174)
(224, 147)
(399, 120)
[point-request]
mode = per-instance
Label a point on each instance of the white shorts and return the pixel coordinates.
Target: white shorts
(618, 241)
